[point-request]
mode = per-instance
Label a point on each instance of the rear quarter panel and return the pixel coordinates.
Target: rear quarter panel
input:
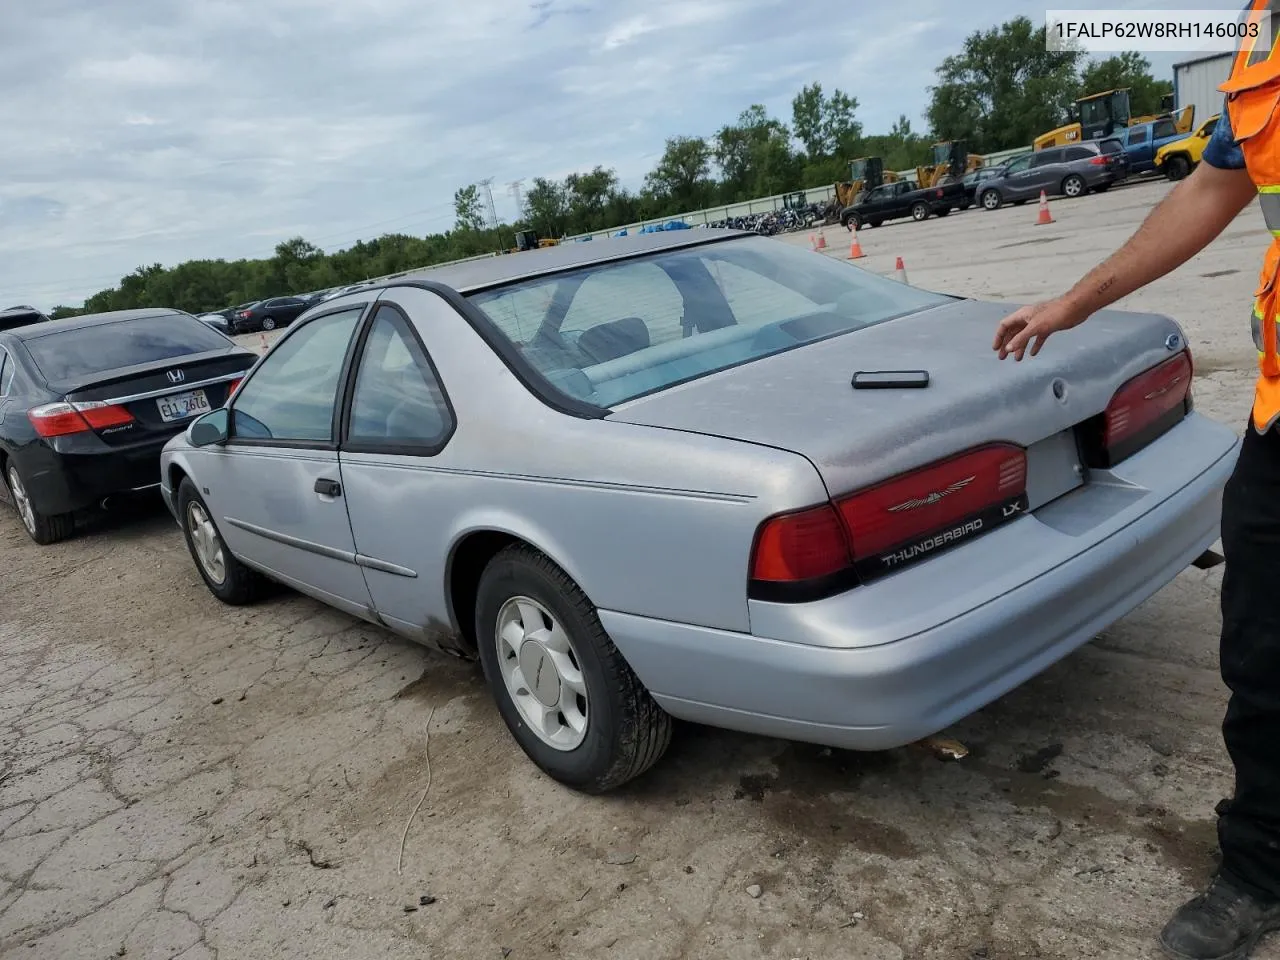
(647, 521)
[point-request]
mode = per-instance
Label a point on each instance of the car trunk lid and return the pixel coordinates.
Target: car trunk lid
(802, 400)
(156, 399)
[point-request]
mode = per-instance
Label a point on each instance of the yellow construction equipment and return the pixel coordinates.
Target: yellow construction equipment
(865, 173)
(951, 161)
(1102, 114)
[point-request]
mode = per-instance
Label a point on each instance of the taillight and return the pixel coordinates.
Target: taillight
(917, 514)
(859, 537)
(231, 387)
(1140, 411)
(1098, 161)
(796, 547)
(939, 193)
(63, 419)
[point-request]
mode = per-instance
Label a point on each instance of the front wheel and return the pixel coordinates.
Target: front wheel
(226, 577)
(564, 691)
(919, 210)
(43, 528)
(991, 200)
(1073, 186)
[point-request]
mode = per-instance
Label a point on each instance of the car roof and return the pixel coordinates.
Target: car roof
(89, 320)
(529, 264)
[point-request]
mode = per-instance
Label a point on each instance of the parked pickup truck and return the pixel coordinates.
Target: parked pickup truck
(1142, 140)
(890, 201)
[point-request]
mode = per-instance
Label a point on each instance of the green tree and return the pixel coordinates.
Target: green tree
(587, 196)
(755, 157)
(826, 126)
(1004, 88)
(546, 207)
(1129, 69)
(468, 209)
(682, 177)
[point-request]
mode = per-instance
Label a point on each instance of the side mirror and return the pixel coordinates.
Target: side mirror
(212, 428)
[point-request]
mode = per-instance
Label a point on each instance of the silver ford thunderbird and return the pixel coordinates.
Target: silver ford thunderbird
(705, 475)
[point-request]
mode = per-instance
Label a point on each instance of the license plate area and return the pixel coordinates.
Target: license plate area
(1054, 468)
(183, 406)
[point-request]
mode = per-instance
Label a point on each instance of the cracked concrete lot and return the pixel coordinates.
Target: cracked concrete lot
(179, 779)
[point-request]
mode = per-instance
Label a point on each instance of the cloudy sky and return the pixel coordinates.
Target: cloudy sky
(145, 131)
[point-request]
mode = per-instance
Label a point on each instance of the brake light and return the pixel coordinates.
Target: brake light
(939, 193)
(63, 419)
(231, 387)
(916, 514)
(795, 547)
(1099, 161)
(1142, 410)
(862, 536)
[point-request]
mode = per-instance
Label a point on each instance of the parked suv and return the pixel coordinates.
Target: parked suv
(1069, 171)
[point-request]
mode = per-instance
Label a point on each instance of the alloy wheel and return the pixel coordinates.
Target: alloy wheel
(208, 545)
(22, 501)
(542, 673)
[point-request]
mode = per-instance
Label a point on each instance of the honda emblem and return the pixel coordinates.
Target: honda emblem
(175, 376)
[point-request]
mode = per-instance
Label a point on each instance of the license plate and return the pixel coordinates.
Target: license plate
(182, 406)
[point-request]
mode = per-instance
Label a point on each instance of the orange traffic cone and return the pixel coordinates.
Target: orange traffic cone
(822, 238)
(855, 248)
(902, 270)
(1045, 216)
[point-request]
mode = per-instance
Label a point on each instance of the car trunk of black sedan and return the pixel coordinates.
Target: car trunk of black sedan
(913, 469)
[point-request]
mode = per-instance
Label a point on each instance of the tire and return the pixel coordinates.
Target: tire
(919, 211)
(852, 222)
(43, 528)
(239, 584)
(1176, 168)
(623, 732)
(991, 200)
(268, 323)
(1073, 186)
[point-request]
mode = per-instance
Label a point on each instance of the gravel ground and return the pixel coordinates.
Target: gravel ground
(179, 779)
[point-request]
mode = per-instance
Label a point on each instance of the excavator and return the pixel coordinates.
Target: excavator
(865, 173)
(1102, 114)
(951, 161)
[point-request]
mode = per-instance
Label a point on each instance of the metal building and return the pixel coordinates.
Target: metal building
(1196, 81)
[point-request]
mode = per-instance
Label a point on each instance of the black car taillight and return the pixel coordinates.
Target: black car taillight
(1142, 410)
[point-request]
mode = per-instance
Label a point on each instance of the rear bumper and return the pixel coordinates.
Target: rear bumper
(66, 482)
(875, 669)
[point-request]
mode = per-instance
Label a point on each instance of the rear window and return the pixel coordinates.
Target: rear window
(610, 333)
(12, 319)
(87, 351)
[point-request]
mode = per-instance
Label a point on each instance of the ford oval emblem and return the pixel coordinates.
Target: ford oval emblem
(1172, 341)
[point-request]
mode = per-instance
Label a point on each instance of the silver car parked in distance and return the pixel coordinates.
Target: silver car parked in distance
(1067, 171)
(636, 479)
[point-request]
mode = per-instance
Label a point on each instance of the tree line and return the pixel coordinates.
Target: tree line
(999, 92)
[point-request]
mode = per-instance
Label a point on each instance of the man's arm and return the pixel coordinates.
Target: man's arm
(1195, 212)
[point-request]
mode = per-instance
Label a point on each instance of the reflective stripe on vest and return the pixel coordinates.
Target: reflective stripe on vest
(1269, 201)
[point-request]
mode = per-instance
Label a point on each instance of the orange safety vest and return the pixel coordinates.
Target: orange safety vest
(1253, 90)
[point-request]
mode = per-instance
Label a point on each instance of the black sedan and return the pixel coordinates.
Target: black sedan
(87, 402)
(268, 314)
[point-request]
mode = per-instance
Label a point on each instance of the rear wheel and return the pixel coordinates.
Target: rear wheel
(268, 323)
(919, 210)
(1175, 168)
(991, 200)
(226, 577)
(564, 691)
(852, 221)
(1073, 186)
(43, 528)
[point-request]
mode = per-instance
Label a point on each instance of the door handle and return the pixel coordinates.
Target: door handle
(328, 488)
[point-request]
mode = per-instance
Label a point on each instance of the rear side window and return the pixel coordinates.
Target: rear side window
(87, 351)
(1138, 136)
(1079, 153)
(1164, 128)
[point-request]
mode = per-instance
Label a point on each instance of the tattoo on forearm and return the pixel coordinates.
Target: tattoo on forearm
(1106, 285)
